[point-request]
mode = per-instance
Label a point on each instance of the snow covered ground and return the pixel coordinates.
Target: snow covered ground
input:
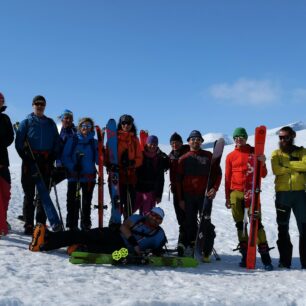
(49, 279)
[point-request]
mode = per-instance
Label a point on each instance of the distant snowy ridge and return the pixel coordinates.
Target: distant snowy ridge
(210, 138)
(297, 126)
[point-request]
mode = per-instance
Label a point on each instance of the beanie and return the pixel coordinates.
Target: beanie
(126, 118)
(240, 131)
(195, 133)
(152, 139)
(65, 113)
(159, 211)
(38, 98)
(176, 137)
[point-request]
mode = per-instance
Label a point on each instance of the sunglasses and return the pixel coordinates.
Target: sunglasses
(86, 126)
(284, 138)
(198, 139)
(126, 123)
(239, 137)
(39, 104)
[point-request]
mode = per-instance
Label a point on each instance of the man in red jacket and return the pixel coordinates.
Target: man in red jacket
(192, 177)
(235, 179)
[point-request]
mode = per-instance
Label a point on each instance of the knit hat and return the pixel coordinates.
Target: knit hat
(159, 211)
(240, 131)
(2, 97)
(176, 137)
(195, 133)
(38, 98)
(152, 139)
(66, 113)
(126, 118)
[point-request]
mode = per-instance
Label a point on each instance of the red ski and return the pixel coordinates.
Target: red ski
(260, 137)
(100, 135)
(143, 136)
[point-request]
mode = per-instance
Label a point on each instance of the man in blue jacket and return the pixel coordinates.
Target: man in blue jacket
(43, 137)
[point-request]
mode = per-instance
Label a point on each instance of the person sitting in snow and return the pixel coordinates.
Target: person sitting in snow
(137, 234)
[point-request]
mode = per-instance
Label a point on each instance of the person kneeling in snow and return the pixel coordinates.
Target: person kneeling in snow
(137, 234)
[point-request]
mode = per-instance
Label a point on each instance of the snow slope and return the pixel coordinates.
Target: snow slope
(49, 279)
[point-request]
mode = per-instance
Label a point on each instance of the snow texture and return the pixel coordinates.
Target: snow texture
(49, 279)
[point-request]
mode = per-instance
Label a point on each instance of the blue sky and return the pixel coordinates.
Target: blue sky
(173, 65)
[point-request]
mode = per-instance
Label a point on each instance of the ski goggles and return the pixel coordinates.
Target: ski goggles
(126, 123)
(86, 126)
(240, 137)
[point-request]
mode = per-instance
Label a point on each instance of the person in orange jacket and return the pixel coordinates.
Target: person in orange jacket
(235, 179)
(130, 158)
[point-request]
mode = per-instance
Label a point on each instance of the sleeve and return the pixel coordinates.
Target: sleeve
(228, 177)
(299, 166)
(278, 167)
(179, 179)
(67, 155)
(20, 138)
(6, 132)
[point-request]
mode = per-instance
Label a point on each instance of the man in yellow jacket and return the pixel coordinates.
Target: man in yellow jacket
(289, 168)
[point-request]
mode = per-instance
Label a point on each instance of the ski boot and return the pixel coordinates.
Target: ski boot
(263, 250)
(180, 249)
(38, 238)
(242, 247)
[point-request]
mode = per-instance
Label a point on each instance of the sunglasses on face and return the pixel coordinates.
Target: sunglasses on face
(86, 126)
(126, 123)
(39, 104)
(284, 138)
(198, 139)
(239, 137)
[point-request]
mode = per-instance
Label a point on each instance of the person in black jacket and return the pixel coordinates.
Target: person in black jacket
(178, 149)
(6, 138)
(150, 176)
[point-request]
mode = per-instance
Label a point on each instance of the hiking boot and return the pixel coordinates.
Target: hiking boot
(206, 259)
(28, 229)
(38, 238)
(189, 251)
(76, 248)
(263, 250)
(243, 249)
(180, 249)
(269, 267)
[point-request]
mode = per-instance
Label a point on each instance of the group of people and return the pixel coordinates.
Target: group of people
(74, 153)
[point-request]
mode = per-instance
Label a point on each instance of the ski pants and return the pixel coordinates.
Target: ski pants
(74, 205)
(285, 202)
(29, 201)
(145, 201)
(193, 209)
(5, 195)
(237, 207)
(99, 240)
(180, 217)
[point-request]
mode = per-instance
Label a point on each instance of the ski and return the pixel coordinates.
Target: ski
(43, 191)
(112, 151)
(100, 134)
(143, 136)
(260, 137)
(121, 257)
(206, 234)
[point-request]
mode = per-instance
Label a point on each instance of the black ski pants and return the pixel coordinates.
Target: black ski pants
(28, 185)
(73, 204)
(193, 209)
(98, 240)
(180, 217)
(285, 202)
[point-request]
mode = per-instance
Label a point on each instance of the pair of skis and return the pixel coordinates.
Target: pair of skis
(122, 257)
